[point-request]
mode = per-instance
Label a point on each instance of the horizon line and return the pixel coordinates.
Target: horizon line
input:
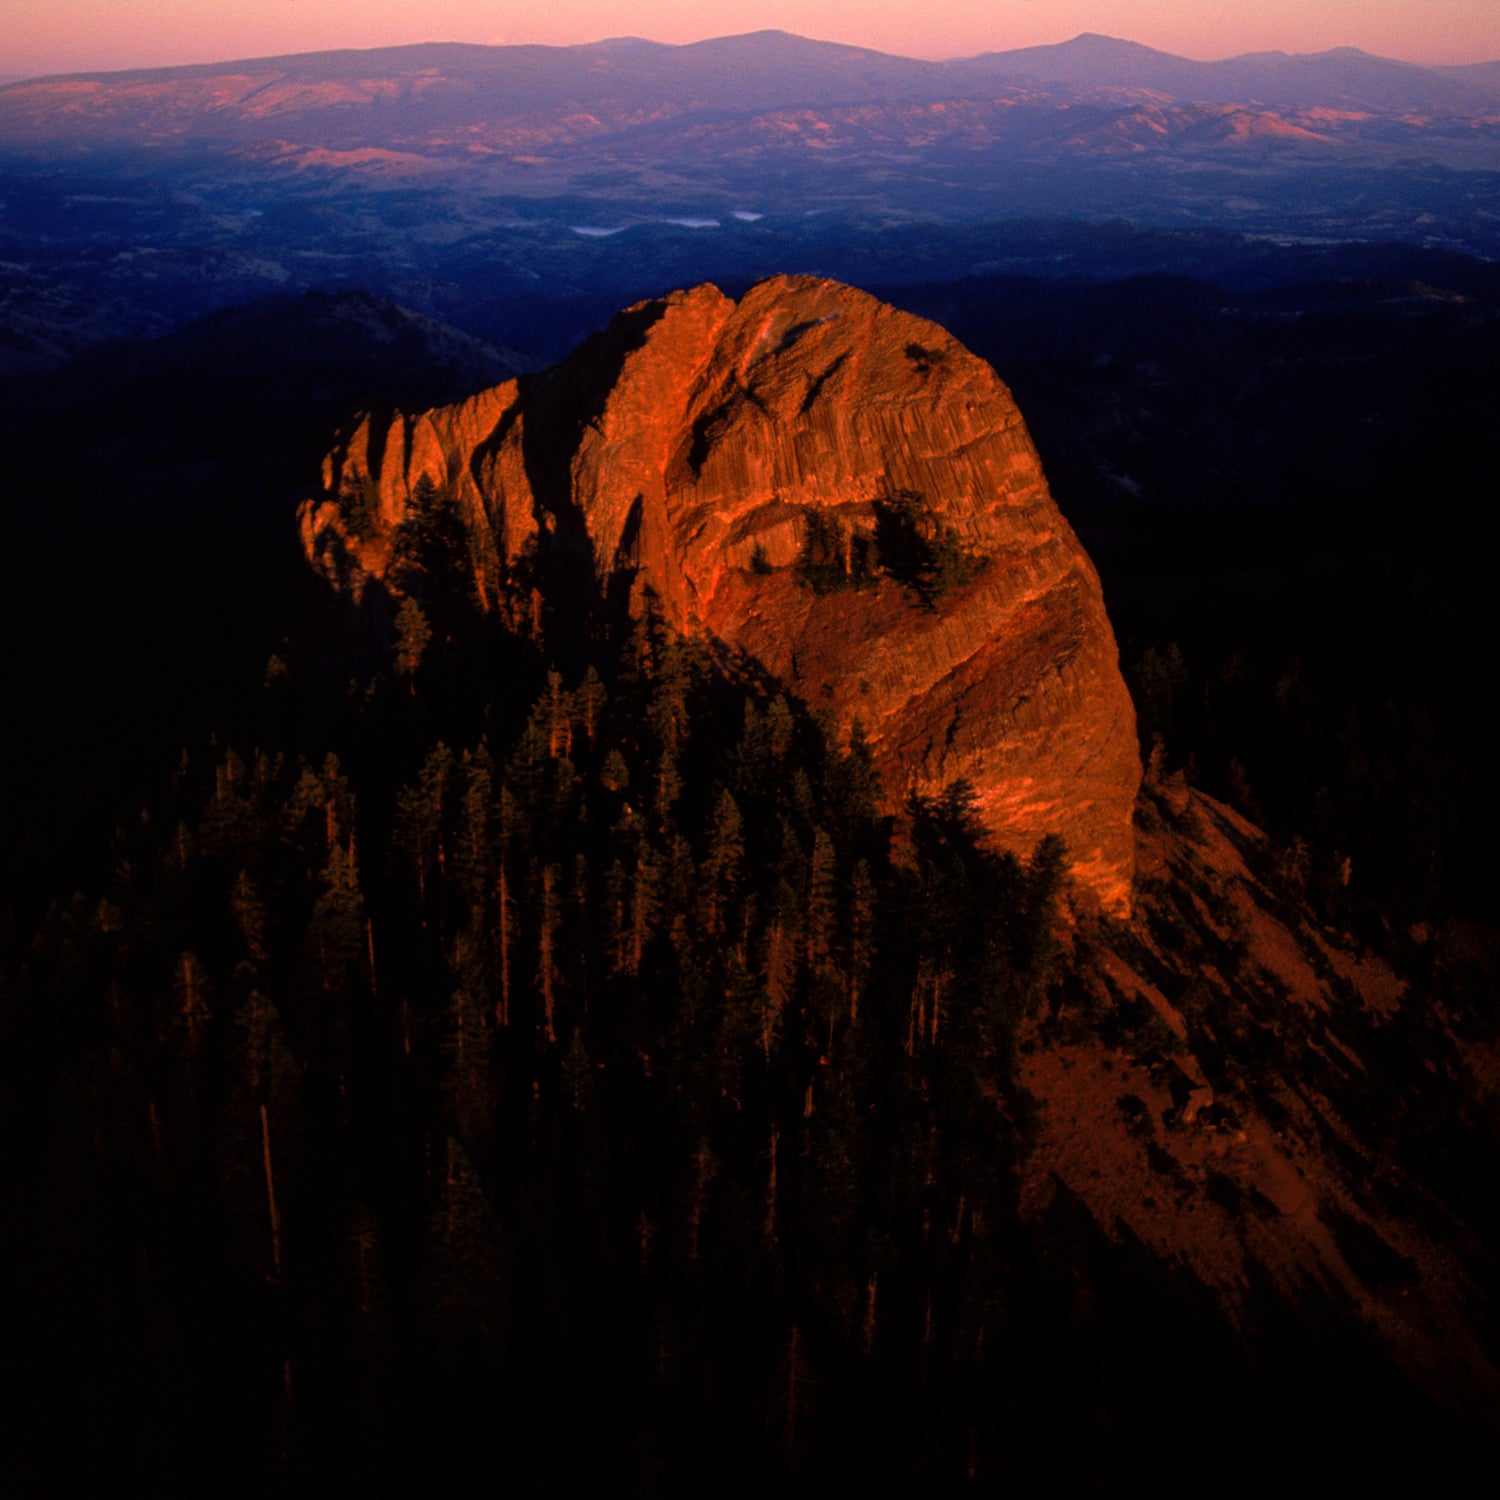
(10, 79)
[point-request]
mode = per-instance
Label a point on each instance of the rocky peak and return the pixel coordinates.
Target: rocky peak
(833, 492)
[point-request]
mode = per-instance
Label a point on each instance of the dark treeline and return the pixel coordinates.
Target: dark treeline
(1354, 729)
(488, 1058)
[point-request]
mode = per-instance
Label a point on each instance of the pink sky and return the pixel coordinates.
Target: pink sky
(49, 36)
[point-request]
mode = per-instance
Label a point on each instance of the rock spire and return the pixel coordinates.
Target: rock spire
(832, 491)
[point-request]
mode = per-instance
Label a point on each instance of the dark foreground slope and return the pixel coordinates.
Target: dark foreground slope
(587, 1069)
(516, 1045)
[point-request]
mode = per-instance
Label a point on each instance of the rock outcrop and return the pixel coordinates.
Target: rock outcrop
(833, 492)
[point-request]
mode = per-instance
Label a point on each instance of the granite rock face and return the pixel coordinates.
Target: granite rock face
(836, 494)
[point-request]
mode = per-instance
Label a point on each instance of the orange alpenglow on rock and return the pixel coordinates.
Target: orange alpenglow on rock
(833, 489)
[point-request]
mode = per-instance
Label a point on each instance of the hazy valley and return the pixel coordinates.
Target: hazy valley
(457, 180)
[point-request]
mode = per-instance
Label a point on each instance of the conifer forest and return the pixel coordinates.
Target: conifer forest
(511, 1045)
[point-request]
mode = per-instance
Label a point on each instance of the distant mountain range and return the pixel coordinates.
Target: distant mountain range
(1343, 75)
(421, 95)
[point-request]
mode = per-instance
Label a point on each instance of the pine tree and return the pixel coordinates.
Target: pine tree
(430, 555)
(591, 701)
(861, 953)
(781, 729)
(548, 925)
(413, 637)
(421, 815)
(822, 903)
(779, 978)
(250, 917)
(667, 711)
(703, 1168)
(721, 869)
(262, 1126)
(366, 1317)
(505, 935)
(643, 906)
(477, 833)
(617, 918)
(792, 1396)
(466, 1047)
(557, 710)
(337, 937)
(192, 1012)
(467, 1259)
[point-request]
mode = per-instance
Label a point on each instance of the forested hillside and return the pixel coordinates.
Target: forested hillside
(495, 1050)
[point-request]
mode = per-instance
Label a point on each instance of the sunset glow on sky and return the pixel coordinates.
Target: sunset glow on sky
(51, 36)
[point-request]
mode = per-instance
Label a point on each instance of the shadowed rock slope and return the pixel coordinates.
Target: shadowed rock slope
(1293, 1129)
(836, 494)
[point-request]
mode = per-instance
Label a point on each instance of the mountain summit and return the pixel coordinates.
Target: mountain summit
(838, 496)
